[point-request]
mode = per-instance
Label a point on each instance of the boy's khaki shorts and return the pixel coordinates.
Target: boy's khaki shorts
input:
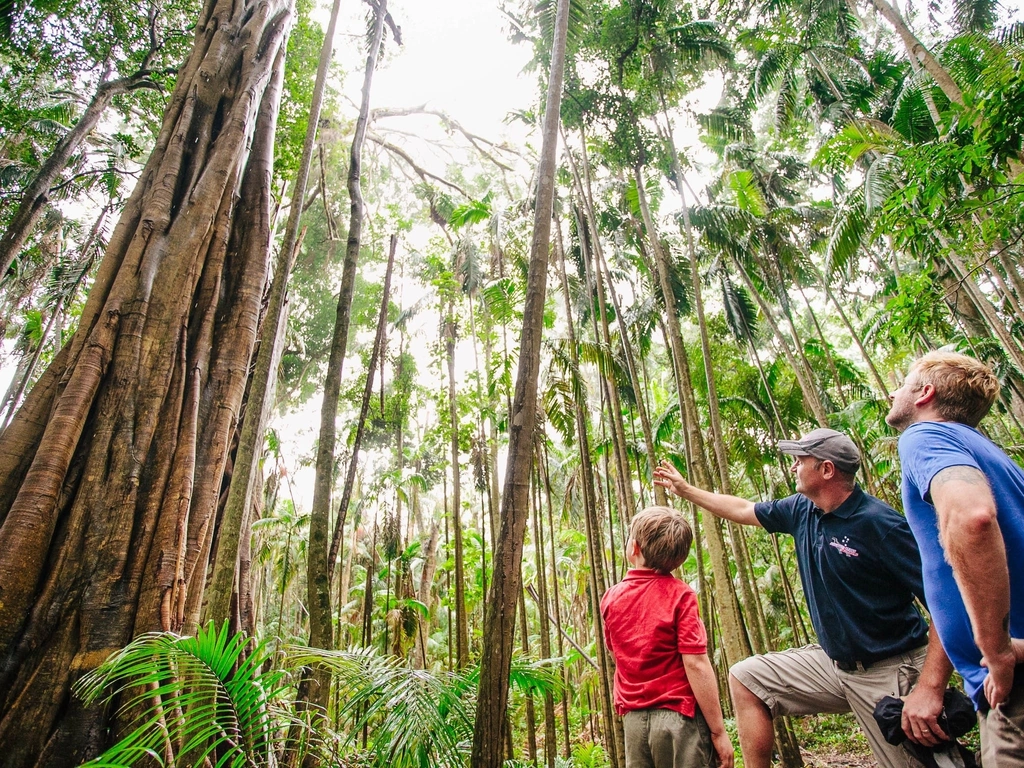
(661, 738)
(804, 681)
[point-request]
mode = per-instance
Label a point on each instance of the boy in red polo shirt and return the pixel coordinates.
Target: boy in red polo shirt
(665, 688)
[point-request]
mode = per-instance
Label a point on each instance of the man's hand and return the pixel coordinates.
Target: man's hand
(1000, 674)
(667, 476)
(921, 710)
(723, 505)
(723, 749)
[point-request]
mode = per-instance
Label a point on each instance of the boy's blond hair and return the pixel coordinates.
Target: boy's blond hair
(664, 537)
(965, 388)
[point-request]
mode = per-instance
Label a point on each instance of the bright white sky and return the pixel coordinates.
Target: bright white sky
(456, 57)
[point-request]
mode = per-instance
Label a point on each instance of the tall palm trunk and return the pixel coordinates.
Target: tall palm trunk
(321, 634)
(592, 528)
(500, 611)
(111, 471)
(461, 619)
(919, 52)
(627, 350)
(550, 738)
(807, 387)
(425, 594)
(734, 638)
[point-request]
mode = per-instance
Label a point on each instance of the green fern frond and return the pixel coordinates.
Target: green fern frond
(215, 678)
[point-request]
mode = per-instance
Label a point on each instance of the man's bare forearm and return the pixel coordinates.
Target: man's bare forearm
(730, 507)
(937, 669)
(974, 547)
(722, 505)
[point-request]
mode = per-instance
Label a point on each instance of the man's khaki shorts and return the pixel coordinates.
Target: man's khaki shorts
(804, 681)
(1002, 729)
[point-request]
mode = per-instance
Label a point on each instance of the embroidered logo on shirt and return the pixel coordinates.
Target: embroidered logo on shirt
(843, 546)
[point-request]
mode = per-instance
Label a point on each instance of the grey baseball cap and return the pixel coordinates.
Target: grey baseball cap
(825, 444)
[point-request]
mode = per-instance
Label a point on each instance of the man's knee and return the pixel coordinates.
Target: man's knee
(742, 697)
(738, 689)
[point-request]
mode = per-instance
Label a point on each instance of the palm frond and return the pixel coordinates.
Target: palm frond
(579, 14)
(740, 310)
(418, 718)
(749, 197)
(701, 44)
(880, 182)
(504, 299)
(910, 116)
(975, 15)
(214, 678)
(727, 124)
(472, 212)
(770, 70)
(849, 229)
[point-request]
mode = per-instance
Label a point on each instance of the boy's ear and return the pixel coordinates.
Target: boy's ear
(634, 548)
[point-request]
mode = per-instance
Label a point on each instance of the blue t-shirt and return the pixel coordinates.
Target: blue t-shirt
(926, 448)
(860, 569)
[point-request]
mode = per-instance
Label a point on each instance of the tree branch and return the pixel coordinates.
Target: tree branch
(423, 173)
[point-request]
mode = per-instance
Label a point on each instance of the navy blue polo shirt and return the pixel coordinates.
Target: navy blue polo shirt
(860, 569)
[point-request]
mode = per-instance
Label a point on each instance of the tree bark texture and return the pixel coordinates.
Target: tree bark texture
(500, 612)
(112, 469)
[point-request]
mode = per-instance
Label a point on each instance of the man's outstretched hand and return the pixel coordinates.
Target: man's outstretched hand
(667, 476)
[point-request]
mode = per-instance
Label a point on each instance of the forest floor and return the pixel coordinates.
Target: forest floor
(837, 759)
(833, 741)
(836, 741)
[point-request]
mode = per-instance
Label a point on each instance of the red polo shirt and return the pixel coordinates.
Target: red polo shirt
(650, 621)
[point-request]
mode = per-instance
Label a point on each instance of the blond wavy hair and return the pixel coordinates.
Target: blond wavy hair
(965, 388)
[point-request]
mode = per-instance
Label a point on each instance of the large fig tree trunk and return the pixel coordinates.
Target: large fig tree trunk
(110, 472)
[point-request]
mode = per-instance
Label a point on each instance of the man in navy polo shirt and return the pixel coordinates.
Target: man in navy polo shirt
(861, 571)
(964, 498)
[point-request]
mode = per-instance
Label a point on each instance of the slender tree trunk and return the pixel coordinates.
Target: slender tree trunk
(917, 50)
(461, 618)
(27, 365)
(550, 738)
(602, 267)
(531, 713)
(807, 387)
(596, 574)
(376, 354)
(318, 586)
(500, 610)
(425, 594)
(222, 583)
(879, 381)
(556, 597)
(112, 469)
(36, 195)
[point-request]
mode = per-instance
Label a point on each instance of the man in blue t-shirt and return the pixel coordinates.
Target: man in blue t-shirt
(964, 498)
(860, 571)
